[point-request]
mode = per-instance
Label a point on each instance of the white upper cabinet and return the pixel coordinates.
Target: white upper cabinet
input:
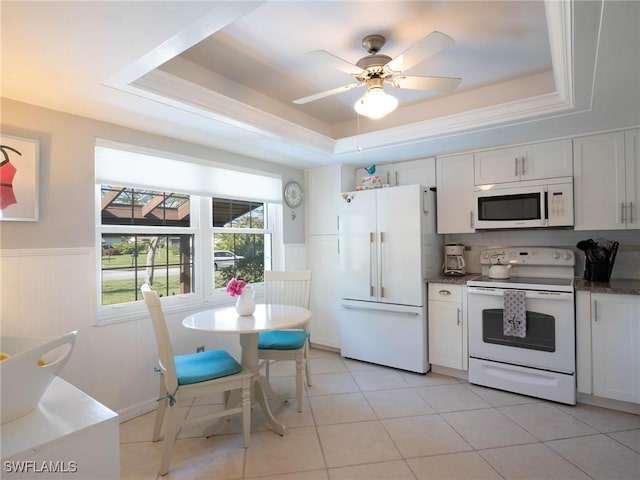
(454, 177)
(632, 164)
(525, 162)
(421, 172)
(324, 186)
(607, 181)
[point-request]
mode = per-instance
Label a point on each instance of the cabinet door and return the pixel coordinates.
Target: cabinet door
(358, 240)
(322, 199)
(447, 346)
(546, 160)
(325, 295)
(497, 166)
(455, 182)
(599, 182)
(615, 331)
(632, 156)
(445, 334)
(422, 172)
(399, 219)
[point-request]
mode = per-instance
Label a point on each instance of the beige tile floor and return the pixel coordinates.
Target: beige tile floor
(362, 421)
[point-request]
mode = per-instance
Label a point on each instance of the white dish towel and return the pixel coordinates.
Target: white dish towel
(514, 313)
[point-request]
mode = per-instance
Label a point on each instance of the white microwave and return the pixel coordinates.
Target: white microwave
(528, 204)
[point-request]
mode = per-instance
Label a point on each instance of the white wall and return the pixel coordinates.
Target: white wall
(47, 268)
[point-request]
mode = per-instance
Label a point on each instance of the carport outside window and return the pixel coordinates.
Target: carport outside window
(151, 249)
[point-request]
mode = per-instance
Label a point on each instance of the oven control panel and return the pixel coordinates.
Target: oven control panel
(538, 256)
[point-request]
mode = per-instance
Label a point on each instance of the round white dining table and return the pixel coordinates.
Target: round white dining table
(265, 318)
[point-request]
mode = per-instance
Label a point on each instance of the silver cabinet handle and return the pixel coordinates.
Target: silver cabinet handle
(471, 219)
(516, 166)
(522, 169)
(630, 213)
(444, 292)
(397, 184)
(622, 212)
(595, 310)
(458, 316)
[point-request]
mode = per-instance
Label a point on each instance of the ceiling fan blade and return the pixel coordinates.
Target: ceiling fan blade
(334, 91)
(440, 84)
(433, 43)
(331, 60)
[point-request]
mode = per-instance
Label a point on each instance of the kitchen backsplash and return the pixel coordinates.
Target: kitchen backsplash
(627, 263)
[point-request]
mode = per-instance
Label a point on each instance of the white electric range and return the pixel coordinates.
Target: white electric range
(540, 360)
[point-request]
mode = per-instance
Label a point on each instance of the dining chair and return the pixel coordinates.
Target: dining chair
(288, 288)
(193, 375)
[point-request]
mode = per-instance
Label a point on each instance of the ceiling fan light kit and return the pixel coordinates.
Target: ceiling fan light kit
(375, 69)
(375, 103)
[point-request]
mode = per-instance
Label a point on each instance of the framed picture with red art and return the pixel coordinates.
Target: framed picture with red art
(19, 164)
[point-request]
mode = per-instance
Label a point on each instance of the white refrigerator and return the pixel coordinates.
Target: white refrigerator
(388, 245)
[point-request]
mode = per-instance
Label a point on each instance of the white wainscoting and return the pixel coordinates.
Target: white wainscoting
(48, 292)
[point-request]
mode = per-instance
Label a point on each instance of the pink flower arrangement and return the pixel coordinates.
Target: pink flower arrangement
(235, 287)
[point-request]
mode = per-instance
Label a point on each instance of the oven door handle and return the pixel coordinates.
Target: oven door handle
(498, 292)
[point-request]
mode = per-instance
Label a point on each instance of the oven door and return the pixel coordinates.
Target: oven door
(549, 342)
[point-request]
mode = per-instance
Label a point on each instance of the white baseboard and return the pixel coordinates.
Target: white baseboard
(137, 410)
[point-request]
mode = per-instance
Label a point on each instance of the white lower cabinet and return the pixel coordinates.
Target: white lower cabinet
(608, 345)
(325, 298)
(447, 326)
(615, 340)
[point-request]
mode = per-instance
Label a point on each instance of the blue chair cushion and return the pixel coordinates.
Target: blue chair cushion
(203, 366)
(282, 339)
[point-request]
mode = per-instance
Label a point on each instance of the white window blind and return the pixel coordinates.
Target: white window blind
(118, 165)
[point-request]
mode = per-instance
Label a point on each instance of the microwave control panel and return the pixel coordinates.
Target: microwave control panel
(560, 205)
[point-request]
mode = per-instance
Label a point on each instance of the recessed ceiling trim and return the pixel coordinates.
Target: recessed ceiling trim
(218, 17)
(560, 26)
(467, 122)
(182, 94)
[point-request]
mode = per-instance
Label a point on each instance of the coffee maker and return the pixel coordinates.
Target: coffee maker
(454, 260)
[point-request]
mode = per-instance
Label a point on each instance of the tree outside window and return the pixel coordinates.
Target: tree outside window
(240, 241)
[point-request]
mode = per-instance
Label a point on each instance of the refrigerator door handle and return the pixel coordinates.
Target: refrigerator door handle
(372, 240)
(381, 264)
(351, 307)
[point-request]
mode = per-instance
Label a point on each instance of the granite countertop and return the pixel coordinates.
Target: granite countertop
(451, 279)
(622, 286)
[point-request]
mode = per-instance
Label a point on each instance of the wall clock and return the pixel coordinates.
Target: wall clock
(293, 194)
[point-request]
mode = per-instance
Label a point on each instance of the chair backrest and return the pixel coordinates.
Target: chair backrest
(163, 340)
(288, 288)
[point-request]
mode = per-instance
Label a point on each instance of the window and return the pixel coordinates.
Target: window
(241, 242)
(184, 225)
(140, 255)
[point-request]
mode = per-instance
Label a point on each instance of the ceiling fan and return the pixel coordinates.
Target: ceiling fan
(376, 69)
